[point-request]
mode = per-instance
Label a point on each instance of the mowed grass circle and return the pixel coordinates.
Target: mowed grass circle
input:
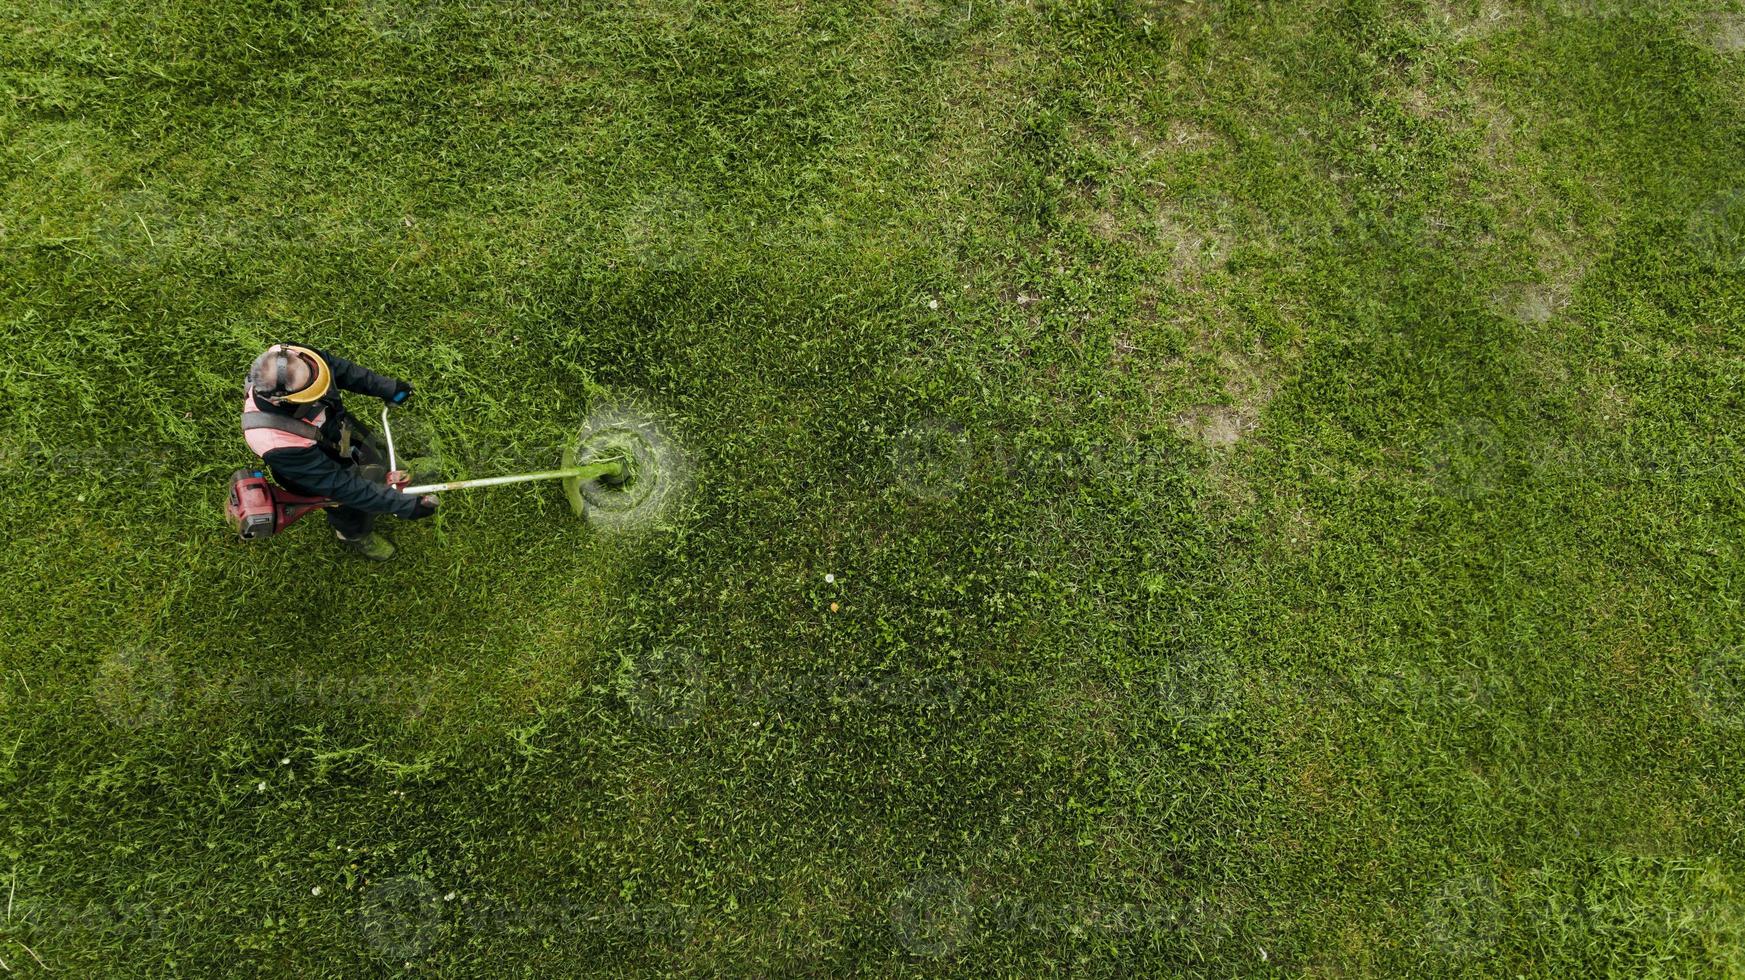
(657, 470)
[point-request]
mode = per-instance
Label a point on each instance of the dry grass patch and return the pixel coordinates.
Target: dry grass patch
(1249, 386)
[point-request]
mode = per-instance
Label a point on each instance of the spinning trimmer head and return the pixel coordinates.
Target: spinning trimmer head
(615, 471)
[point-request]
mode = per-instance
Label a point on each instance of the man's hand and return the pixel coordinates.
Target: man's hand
(402, 391)
(426, 506)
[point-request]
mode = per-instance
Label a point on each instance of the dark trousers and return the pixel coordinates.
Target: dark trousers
(371, 463)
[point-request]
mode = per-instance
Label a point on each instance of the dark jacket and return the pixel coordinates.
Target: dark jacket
(319, 470)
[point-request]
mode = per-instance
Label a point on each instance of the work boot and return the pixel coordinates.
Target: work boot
(375, 546)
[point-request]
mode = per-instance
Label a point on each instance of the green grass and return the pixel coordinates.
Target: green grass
(1279, 465)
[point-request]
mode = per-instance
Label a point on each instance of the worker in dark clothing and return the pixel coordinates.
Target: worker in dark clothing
(293, 419)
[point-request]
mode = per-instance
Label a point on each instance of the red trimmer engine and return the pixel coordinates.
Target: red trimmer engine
(257, 509)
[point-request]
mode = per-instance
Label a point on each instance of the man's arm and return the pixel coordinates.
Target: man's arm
(351, 376)
(312, 470)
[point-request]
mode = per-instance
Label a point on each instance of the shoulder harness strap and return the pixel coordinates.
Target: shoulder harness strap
(296, 427)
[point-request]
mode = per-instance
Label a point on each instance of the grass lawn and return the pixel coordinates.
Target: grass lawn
(1221, 488)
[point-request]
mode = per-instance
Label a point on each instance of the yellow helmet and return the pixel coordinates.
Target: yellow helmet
(270, 374)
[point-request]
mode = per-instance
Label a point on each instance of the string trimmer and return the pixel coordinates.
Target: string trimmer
(258, 509)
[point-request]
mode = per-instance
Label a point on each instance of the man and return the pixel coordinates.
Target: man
(293, 419)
